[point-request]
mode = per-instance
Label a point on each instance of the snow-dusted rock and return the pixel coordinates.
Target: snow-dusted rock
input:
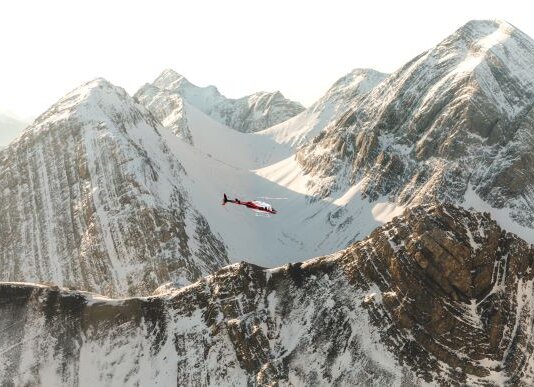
(346, 92)
(454, 124)
(248, 114)
(92, 198)
(168, 108)
(438, 296)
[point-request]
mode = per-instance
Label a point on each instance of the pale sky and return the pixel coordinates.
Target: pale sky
(241, 46)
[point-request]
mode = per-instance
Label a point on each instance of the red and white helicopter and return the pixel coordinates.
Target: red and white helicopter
(255, 205)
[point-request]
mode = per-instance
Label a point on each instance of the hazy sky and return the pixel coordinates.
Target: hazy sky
(298, 47)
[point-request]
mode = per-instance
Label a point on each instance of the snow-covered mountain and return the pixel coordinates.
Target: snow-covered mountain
(256, 166)
(346, 92)
(454, 124)
(122, 196)
(10, 127)
(344, 166)
(92, 198)
(165, 98)
(438, 296)
(168, 108)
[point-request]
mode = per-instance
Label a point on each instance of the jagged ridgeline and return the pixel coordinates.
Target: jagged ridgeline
(439, 295)
(166, 96)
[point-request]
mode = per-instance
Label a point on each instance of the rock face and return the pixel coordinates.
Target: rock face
(439, 295)
(453, 123)
(91, 198)
(168, 108)
(459, 286)
(170, 92)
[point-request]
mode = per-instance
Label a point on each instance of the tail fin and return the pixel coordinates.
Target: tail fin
(225, 199)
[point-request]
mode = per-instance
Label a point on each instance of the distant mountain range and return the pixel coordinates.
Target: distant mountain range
(10, 127)
(166, 96)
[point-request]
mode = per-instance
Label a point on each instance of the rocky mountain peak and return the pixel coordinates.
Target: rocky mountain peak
(95, 100)
(247, 114)
(268, 95)
(170, 79)
(474, 30)
(348, 88)
(177, 84)
(170, 74)
(94, 90)
(342, 96)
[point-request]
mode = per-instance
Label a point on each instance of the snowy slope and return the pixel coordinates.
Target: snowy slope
(255, 166)
(344, 94)
(262, 166)
(440, 296)
(248, 114)
(92, 197)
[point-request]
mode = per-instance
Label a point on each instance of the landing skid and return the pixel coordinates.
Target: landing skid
(262, 214)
